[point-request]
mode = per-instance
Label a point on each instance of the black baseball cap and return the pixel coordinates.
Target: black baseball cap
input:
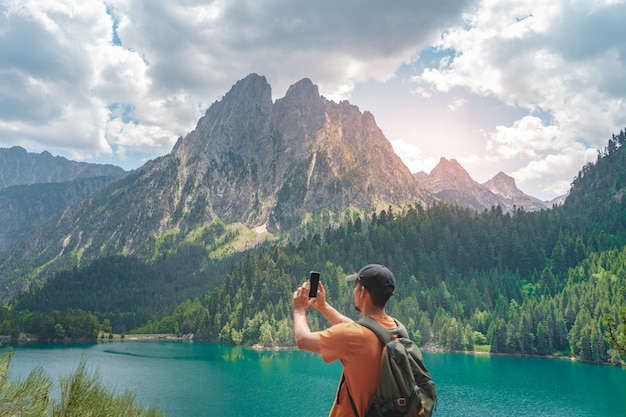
(375, 277)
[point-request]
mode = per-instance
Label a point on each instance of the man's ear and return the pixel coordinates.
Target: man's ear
(363, 292)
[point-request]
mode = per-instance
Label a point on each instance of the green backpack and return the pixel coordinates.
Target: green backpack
(405, 387)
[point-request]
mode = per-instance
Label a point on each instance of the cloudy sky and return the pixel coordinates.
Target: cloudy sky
(532, 88)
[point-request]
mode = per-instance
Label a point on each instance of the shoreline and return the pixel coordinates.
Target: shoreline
(147, 337)
(115, 338)
(436, 349)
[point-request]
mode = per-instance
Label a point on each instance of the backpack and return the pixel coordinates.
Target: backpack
(405, 387)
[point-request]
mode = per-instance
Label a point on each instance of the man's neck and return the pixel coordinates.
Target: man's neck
(374, 311)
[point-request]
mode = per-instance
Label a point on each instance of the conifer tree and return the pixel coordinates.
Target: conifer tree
(617, 338)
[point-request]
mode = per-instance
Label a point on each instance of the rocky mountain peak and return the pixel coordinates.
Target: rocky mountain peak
(230, 125)
(420, 176)
(304, 91)
(448, 174)
(248, 100)
(252, 88)
(260, 162)
(449, 167)
(503, 185)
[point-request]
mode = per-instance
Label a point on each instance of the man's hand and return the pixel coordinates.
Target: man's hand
(319, 302)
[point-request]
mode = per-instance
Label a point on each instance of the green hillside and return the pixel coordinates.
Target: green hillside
(517, 283)
(128, 291)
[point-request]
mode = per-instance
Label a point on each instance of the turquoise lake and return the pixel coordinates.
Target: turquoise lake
(204, 379)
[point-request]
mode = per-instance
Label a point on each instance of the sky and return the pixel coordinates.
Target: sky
(531, 88)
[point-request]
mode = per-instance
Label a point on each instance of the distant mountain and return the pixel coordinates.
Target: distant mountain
(34, 186)
(451, 183)
(19, 167)
(420, 176)
(504, 186)
(250, 160)
(557, 201)
(24, 207)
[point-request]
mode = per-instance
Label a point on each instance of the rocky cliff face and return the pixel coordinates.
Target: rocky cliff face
(271, 163)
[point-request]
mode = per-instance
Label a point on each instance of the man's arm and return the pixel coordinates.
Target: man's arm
(305, 338)
(332, 315)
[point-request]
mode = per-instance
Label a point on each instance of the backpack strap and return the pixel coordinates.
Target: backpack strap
(343, 381)
(384, 334)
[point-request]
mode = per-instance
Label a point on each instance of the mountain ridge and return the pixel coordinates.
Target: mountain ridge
(19, 167)
(266, 164)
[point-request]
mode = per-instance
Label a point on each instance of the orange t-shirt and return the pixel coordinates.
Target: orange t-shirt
(360, 353)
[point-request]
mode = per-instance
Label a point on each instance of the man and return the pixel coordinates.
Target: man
(358, 348)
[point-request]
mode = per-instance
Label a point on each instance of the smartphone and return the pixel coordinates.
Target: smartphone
(314, 279)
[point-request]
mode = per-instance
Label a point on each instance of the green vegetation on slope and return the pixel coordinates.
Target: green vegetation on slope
(126, 290)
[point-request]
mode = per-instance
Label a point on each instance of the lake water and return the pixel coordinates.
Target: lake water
(204, 379)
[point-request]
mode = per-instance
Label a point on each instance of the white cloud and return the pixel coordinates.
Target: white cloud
(527, 138)
(336, 44)
(563, 60)
(66, 63)
(413, 157)
(45, 76)
(541, 56)
(549, 175)
(457, 103)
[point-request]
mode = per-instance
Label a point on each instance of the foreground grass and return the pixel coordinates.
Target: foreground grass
(82, 395)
